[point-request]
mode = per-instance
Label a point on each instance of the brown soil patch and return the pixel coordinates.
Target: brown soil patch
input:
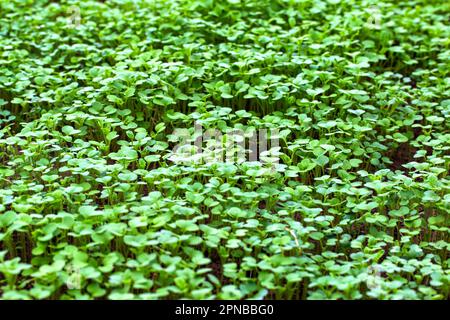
(400, 156)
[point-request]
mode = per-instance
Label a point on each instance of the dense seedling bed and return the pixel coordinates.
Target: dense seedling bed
(94, 206)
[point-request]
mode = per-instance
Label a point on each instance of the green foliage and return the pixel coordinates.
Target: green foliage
(92, 207)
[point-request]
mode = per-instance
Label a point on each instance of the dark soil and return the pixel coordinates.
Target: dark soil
(400, 156)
